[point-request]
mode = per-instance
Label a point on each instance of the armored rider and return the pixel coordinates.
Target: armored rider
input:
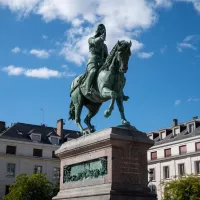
(98, 54)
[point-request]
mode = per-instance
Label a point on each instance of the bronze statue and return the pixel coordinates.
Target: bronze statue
(98, 54)
(103, 80)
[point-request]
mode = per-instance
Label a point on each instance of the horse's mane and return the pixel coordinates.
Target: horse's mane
(109, 58)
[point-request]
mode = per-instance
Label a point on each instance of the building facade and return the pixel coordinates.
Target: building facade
(27, 148)
(176, 152)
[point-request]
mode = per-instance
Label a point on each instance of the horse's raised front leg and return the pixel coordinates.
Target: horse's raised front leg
(121, 110)
(107, 93)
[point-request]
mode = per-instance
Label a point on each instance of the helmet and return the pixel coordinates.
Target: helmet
(100, 29)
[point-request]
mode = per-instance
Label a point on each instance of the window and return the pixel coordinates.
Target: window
(167, 152)
(181, 169)
(53, 155)
(56, 173)
(197, 146)
(166, 172)
(37, 169)
(37, 152)
(55, 140)
(152, 175)
(163, 134)
(11, 149)
(154, 155)
(197, 167)
(182, 149)
(10, 169)
(36, 137)
(190, 128)
(176, 131)
(7, 189)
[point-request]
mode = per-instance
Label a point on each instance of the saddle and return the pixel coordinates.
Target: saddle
(94, 95)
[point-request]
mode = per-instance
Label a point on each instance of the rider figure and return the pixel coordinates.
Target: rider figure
(98, 54)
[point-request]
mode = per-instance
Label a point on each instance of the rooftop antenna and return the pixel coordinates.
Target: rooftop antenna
(42, 115)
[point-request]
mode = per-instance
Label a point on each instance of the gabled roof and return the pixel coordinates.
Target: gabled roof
(22, 132)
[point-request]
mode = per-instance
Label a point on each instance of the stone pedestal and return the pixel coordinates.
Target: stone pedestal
(107, 165)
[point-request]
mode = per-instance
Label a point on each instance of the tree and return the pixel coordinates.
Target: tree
(31, 187)
(186, 188)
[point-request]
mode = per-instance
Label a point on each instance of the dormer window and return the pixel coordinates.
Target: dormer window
(55, 140)
(163, 134)
(176, 130)
(190, 128)
(36, 137)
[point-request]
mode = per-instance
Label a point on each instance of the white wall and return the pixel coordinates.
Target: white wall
(189, 160)
(24, 161)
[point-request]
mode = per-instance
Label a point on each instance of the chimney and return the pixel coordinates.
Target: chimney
(59, 127)
(175, 122)
(2, 126)
(196, 117)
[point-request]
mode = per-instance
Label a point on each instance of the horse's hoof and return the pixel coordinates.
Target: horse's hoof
(84, 133)
(124, 122)
(107, 113)
(92, 130)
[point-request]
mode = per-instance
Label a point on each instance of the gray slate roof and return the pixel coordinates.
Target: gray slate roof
(182, 135)
(22, 131)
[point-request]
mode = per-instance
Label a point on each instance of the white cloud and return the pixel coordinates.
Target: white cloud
(122, 20)
(189, 42)
(138, 15)
(193, 99)
(177, 102)
(16, 50)
(22, 7)
(44, 37)
(163, 3)
(183, 45)
(169, 3)
(145, 55)
(43, 73)
(13, 71)
(77, 22)
(40, 53)
(164, 49)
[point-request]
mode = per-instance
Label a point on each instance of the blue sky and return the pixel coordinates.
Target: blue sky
(43, 46)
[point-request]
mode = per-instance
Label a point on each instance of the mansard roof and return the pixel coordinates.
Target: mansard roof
(22, 132)
(182, 135)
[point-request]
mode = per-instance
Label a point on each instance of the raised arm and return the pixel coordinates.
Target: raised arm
(97, 40)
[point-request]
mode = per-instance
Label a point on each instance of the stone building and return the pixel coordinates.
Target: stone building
(176, 152)
(28, 148)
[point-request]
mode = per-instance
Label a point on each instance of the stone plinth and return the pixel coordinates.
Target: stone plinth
(107, 165)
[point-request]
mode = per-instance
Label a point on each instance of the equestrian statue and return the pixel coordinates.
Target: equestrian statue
(104, 80)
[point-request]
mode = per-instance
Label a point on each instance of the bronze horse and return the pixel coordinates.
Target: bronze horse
(109, 84)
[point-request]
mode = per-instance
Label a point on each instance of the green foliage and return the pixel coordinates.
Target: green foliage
(32, 187)
(186, 188)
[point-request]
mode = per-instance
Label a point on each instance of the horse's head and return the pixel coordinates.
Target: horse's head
(122, 54)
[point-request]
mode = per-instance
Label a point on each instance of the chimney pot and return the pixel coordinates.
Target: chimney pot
(175, 122)
(60, 128)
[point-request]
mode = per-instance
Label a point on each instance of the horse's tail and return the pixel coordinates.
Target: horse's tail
(72, 111)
